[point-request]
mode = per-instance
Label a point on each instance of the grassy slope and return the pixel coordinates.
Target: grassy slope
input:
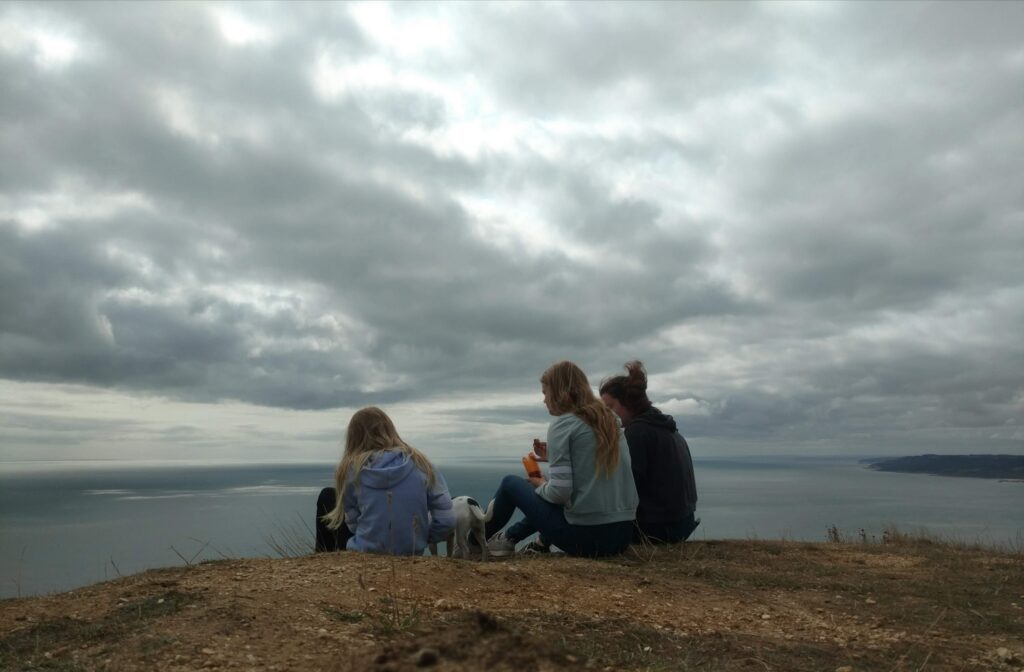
(736, 605)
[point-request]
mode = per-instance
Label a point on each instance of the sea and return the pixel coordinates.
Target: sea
(70, 524)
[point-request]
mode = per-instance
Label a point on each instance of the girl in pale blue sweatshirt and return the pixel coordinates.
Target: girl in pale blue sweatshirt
(588, 504)
(391, 499)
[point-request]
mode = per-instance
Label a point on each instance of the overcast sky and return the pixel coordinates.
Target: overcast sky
(224, 227)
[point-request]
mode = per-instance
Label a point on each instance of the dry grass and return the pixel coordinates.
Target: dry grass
(907, 604)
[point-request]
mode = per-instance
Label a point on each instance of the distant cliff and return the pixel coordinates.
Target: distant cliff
(1009, 467)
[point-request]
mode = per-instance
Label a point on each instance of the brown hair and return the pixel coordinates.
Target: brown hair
(370, 430)
(569, 392)
(631, 389)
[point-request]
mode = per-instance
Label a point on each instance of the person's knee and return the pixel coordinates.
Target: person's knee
(327, 499)
(510, 482)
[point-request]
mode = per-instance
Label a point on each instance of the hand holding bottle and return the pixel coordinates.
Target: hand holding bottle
(540, 450)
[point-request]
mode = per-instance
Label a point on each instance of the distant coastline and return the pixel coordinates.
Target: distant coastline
(1002, 467)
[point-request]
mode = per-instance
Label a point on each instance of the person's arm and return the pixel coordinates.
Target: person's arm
(350, 505)
(638, 438)
(558, 488)
(442, 517)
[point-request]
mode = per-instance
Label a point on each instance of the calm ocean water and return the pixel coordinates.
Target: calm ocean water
(63, 526)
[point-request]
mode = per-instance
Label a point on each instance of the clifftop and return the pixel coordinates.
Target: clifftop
(712, 605)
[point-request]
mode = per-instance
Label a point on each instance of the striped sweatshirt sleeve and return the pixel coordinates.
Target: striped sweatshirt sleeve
(442, 517)
(558, 488)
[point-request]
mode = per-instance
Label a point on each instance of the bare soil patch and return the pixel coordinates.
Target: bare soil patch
(712, 605)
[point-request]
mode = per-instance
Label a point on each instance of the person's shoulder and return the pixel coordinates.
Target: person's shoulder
(640, 427)
(566, 421)
(640, 431)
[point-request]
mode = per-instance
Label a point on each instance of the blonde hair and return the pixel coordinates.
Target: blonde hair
(369, 431)
(569, 392)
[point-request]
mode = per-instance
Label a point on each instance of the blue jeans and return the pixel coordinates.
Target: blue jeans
(549, 519)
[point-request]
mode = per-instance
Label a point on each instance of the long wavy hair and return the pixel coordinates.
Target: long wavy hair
(569, 392)
(369, 431)
(630, 389)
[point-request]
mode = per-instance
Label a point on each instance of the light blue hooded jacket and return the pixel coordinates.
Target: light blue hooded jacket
(391, 509)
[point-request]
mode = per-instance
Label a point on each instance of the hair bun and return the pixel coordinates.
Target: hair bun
(637, 374)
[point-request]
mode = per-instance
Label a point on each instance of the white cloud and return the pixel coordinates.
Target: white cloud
(50, 46)
(804, 218)
(238, 30)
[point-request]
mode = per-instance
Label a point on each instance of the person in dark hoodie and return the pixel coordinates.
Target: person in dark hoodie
(660, 457)
(389, 498)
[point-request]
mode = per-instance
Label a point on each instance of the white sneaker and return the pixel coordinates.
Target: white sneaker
(500, 546)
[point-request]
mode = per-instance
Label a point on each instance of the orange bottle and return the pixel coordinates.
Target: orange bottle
(531, 466)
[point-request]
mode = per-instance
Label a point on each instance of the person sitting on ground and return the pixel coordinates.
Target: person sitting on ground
(588, 506)
(660, 456)
(389, 497)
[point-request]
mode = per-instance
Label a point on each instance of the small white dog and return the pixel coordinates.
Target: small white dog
(470, 519)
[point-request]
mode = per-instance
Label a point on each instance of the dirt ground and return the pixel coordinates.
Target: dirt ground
(711, 605)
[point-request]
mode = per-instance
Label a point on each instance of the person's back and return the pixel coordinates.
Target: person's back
(662, 468)
(661, 461)
(388, 506)
(392, 499)
(589, 498)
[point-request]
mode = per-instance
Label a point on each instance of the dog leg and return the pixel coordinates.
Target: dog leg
(481, 538)
(478, 529)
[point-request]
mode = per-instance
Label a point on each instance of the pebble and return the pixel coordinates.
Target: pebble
(869, 601)
(1006, 655)
(765, 617)
(427, 657)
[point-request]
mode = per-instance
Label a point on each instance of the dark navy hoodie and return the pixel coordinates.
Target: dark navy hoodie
(662, 468)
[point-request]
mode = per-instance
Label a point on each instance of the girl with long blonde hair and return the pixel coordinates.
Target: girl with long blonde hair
(388, 497)
(587, 505)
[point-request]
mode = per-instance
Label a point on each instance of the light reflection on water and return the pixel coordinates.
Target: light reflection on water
(69, 525)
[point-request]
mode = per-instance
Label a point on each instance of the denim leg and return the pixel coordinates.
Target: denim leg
(521, 529)
(541, 515)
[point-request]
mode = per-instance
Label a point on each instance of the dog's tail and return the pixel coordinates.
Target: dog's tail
(489, 513)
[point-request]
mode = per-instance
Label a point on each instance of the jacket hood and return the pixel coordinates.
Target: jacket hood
(652, 416)
(386, 469)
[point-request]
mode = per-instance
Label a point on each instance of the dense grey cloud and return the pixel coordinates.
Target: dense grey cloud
(805, 218)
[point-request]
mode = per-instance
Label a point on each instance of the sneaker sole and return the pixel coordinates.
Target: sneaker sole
(501, 554)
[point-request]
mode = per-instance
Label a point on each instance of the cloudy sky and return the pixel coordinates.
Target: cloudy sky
(223, 227)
